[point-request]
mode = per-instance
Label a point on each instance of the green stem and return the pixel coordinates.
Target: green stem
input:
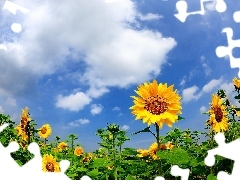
(211, 169)
(114, 158)
(158, 143)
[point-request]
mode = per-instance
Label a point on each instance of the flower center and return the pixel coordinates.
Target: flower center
(155, 105)
(44, 130)
(50, 167)
(218, 114)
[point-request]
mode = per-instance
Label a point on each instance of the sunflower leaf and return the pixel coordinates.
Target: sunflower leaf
(147, 129)
(237, 97)
(180, 118)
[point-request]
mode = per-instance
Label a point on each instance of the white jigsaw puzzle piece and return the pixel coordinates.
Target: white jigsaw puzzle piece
(227, 150)
(222, 51)
(182, 8)
(177, 171)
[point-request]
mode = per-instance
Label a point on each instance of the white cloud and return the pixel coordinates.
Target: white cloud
(211, 5)
(94, 32)
(96, 109)
(211, 85)
(203, 109)
(149, 17)
(190, 93)
(125, 127)
(183, 82)
(73, 102)
(79, 122)
(116, 108)
(11, 102)
(207, 69)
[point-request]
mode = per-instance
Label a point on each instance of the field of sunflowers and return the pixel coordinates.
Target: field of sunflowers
(155, 104)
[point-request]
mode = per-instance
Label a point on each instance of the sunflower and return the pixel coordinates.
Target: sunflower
(49, 164)
(78, 151)
(62, 145)
(169, 145)
(25, 118)
(236, 83)
(23, 135)
(88, 157)
(218, 115)
(157, 103)
(45, 131)
(153, 150)
(142, 152)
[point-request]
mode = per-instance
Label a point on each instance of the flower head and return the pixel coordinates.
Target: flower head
(169, 145)
(142, 152)
(218, 115)
(49, 164)
(62, 145)
(236, 83)
(153, 150)
(45, 131)
(157, 103)
(78, 151)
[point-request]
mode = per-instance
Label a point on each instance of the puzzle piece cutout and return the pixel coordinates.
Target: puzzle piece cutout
(177, 171)
(9, 169)
(222, 51)
(182, 8)
(15, 27)
(227, 150)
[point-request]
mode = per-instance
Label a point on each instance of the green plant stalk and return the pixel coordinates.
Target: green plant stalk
(158, 143)
(114, 157)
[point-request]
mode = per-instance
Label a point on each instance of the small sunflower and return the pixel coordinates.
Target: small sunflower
(110, 167)
(142, 152)
(62, 145)
(236, 83)
(25, 117)
(153, 150)
(78, 151)
(169, 145)
(45, 131)
(49, 164)
(218, 115)
(88, 157)
(157, 103)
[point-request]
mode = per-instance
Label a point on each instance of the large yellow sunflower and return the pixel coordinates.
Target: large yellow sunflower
(45, 131)
(218, 115)
(157, 103)
(49, 164)
(236, 83)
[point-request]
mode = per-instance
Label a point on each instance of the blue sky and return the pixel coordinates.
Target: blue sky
(76, 63)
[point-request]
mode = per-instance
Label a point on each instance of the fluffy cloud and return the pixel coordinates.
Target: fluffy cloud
(116, 108)
(73, 102)
(93, 33)
(149, 16)
(96, 109)
(11, 102)
(189, 94)
(211, 85)
(203, 109)
(125, 127)
(79, 122)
